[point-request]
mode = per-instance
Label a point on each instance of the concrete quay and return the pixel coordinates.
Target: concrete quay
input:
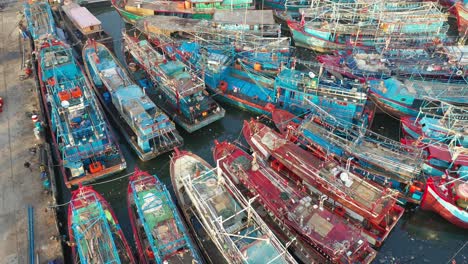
(20, 183)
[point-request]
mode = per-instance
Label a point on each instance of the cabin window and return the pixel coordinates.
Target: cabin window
(91, 28)
(292, 95)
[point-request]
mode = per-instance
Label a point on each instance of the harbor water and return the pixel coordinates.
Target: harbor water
(419, 237)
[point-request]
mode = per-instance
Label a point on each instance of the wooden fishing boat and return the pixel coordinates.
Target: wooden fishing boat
(331, 25)
(449, 198)
(238, 232)
(370, 205)
(332, 238)
(83, 139)
(133, 10)
(407, 97)
(443, 123)
(172, 85)
(461, 12)
(255, 22)
(434, 61)
(81, 25)
(40, 21)
(159, 233)
(94, 231)
(374, 157)
(439, 158)
(145, 127)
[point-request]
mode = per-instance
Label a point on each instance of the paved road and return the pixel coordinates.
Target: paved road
(20, 186)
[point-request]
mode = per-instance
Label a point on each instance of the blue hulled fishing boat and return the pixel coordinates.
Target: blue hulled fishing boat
(434, 61)
(94, 231)
(174, 87)
(148, 130)
(296, 91)
(334, 25)
(159, 232)
(407, 97)
(82, 136)
(40, 21)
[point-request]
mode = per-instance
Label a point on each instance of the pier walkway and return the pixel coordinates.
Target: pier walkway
(20, 184)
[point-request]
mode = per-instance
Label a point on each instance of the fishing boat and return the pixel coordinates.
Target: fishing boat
(146, 128)
(436, 130)
(133, 10)
(81, 25)
(94, 230)
(235, 228)
(439, 157)
(159, 233)
(407, 97)
(84, 143)
(333, 25)
(375, 157)
(246, 86)
(255, 22)
(334, 239)
(173, 86)
(449, 198)
(438, 62)
(40, 21)
(461, 13)
(372, 206)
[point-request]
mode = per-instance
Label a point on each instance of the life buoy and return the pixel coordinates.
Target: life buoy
(459, 72)
(223, 85)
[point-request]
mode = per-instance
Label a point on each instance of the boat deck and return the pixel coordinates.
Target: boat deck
(313, 171)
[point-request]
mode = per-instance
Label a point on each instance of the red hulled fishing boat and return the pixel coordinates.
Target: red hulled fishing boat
(332, 237)
(94, 231)
(372, 206)
(447, 198)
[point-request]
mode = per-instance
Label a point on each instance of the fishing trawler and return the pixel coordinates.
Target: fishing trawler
(133, 10)
(40, 21)
(94, 231)
(159, 232)
(255, 22)
(146, 128)
(407, 97)
(235, 228)
(439, 157)
(448, 197)
(334, 239)
(438, 62)
(380, 159)
(84, 143)
(81, 25)
(331, 25)
(174, 87)
(241, 85)
(439, 122)
(373, 207)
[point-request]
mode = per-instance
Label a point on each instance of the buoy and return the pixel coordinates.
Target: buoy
(459, 72)
(95, 167)
(223, 85)
(257, 66)
(35, 118)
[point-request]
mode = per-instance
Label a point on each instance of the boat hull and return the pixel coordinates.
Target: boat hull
(109, 212)
(118, 119)
(432, 201)
(89, 177)
(304, 40)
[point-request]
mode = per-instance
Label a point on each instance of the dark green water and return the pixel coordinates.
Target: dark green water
(420, 237)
